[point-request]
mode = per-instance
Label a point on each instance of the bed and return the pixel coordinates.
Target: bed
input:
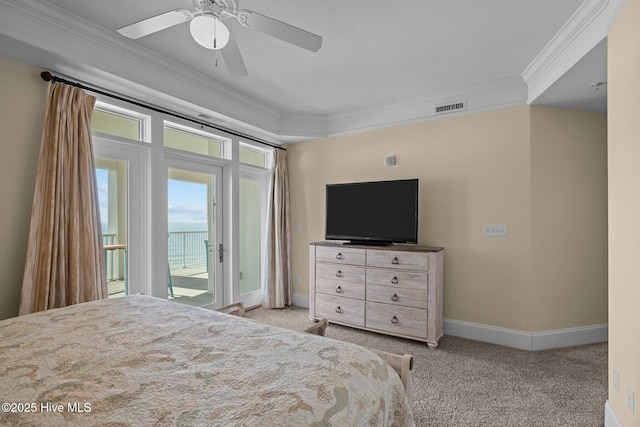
(139, 360)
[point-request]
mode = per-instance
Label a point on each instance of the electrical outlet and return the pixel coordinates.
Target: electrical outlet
(297, 280)
(616, 380)
(630, 400)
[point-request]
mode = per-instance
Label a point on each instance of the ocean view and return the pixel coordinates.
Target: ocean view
(187, 226)
(176, 226)
(186, 243)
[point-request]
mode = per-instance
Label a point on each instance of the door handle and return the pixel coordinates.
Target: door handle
(221, 252)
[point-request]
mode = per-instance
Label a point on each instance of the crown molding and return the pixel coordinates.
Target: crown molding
(81, 50)
(502, 93)
(302, 126)
(587, 27)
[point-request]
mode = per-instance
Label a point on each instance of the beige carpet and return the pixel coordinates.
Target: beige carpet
(470, 383)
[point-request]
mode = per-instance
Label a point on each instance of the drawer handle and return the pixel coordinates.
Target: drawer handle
(339, 274)
(394, 297)
(339, 256)
(395, 261)
(394, 281)
(339, 290)
(394, 320)
(339, 310)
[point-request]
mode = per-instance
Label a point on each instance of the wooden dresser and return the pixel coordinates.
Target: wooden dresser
(394, 290)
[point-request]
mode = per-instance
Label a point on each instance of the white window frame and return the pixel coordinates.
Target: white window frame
(148, 219)
(194, 129)
(268, 152)
(118, 110)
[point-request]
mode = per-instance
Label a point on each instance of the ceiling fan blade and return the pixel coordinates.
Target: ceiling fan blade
(233, 58)
(280, 30)
(155, 23)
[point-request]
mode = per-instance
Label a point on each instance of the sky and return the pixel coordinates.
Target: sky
(186, 203)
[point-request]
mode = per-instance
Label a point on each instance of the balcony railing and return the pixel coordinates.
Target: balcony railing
(187, 248)
(110, 239)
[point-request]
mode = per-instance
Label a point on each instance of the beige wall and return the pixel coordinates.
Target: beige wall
(23, 98)
(474, 170)
(624, 209)
(494, 167)
(569, 218)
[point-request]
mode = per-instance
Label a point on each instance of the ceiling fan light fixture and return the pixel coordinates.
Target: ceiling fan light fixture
(209, 31)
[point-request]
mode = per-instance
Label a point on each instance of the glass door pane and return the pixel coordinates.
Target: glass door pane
(112, 182)
(251, 216)
(195, 233)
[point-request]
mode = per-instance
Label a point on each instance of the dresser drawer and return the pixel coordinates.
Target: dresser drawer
(340, 309)
(340, 255)
(340, 289)
(340, 273)
(401, 297)
(397, 320)
(398, 279)
(398, 259)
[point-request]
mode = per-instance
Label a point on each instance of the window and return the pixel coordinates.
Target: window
(251, 228)
(254, 156)
(168, 192)
(111, 178)
(120, 122)
(189, 139)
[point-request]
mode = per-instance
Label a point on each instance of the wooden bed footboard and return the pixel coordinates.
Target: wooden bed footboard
(236, 309)
(402, 364)
(318, 328)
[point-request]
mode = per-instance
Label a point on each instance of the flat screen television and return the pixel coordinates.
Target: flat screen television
(376, 213)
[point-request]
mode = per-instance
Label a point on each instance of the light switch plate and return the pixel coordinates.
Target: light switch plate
(495, 230)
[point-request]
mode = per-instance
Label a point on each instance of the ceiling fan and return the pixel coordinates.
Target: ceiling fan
(208, 30)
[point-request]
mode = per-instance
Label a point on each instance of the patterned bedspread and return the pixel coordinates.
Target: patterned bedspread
(139, 360)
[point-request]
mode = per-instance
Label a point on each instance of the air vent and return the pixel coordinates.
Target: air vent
(450, 107)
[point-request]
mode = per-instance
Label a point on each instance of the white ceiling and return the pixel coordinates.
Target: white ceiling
(381, 63)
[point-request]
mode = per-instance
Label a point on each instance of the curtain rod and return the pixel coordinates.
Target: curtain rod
(47, 76)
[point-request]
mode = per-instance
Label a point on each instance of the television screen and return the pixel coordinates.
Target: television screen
(381, 212)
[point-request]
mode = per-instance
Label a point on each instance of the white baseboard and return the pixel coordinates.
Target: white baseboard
(490, 334)
(532, 341)
(301, 300)
(570, 337)
(610, 417)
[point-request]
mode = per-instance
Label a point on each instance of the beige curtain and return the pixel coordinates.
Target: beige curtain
(278, 289)
(65, 263)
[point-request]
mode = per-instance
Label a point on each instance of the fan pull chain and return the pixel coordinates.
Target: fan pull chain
(215, 41)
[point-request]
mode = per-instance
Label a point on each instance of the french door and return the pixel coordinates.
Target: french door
(195, 234)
